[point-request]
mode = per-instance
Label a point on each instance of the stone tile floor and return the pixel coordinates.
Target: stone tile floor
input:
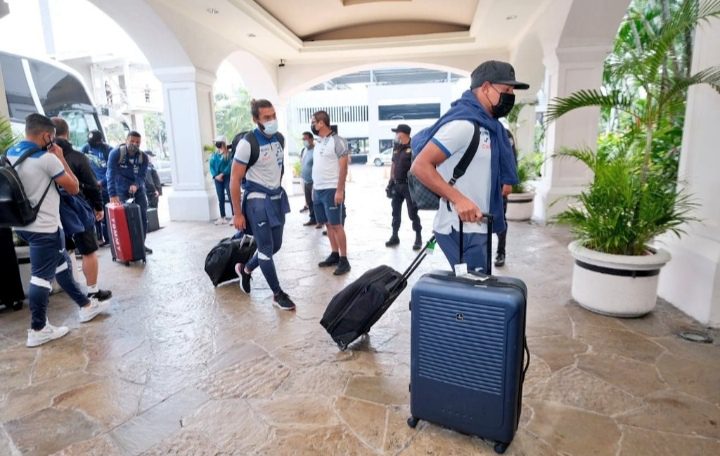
(180, 367)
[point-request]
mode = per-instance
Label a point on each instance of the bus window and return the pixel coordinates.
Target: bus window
(57, 89)
(17, 91)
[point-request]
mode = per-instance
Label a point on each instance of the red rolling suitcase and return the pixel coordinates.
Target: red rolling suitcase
(127, 238)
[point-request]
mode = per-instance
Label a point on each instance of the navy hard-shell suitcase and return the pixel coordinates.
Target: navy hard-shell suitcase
(467, 362)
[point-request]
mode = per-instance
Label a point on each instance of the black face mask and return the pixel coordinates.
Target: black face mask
(314, 130)
(504, 105)
(49, 144)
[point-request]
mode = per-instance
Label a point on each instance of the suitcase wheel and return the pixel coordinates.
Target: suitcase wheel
(17, 305)
(412, 422)
(343, 347)
(127, 263)
(500, 447)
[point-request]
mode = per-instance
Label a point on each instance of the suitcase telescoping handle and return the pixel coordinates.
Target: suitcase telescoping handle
(488, 218)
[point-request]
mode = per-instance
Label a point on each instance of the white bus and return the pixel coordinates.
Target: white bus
(29, 85)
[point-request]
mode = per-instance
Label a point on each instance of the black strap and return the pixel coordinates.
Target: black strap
(467, 157)
(24, 157)
(255, 148)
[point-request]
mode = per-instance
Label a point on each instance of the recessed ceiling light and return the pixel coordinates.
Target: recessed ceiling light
(512, 17)
(212, 11)
(251, 35)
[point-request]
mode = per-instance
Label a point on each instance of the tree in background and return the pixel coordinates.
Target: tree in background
(650, 67)
(232, 113)
(156, 135)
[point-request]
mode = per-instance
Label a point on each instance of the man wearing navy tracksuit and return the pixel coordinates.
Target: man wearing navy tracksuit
(98, 152)
(127, 166)
(261, 204)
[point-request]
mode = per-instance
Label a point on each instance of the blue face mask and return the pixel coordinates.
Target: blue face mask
(271, 127)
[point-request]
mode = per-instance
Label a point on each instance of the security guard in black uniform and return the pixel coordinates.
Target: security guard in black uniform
(397, 188)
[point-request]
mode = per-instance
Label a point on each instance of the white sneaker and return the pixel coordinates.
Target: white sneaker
(45, 335)
(92, 310)
(220, 221)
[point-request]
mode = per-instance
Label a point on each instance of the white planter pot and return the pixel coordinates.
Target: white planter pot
(520, 206)
(616, 285)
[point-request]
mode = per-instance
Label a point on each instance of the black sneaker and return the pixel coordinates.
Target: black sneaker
(418, 243)
(331, 260)
(500, 260)
(343, 267)
(310, 222)
(148, 250)
(100, 295)
(245, 278)
(393, 241)
(282, 301)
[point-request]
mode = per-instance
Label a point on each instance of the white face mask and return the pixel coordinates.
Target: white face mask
(271, 127)
(397, 139)
(306, 144)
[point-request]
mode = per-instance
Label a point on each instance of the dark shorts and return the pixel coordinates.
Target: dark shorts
(84, 243)
(326, 211)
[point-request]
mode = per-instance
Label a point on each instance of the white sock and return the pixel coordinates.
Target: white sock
(92, 288)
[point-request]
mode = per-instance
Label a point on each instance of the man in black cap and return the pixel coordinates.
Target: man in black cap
(397, 188)
(490, 173)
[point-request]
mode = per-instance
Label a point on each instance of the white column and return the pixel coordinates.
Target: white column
(569, 70)
(189, 119)
(691, 281)
(525, 134)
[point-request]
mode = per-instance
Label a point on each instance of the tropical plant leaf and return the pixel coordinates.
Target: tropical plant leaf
(588, 98)
(7, 137)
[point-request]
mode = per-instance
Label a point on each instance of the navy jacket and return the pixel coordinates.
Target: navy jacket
(132, 171)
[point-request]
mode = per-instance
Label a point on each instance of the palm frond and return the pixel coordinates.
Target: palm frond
(678, 86)
(688, 16)
(588, 98)
(7, 137)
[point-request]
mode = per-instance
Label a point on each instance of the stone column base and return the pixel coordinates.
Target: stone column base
(550, 201)
(691, 280)
(193, 205)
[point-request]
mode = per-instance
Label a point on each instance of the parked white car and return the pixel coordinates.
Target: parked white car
(383, 158)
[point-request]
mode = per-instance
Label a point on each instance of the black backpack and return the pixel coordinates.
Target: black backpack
(249, 136)
(16, 210)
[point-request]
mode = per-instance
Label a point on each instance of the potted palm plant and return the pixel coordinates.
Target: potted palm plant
(520, 201)
(633, 197)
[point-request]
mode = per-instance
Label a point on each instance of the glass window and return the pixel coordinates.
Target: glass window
(386, 144)
(17, 91)
(409, 111)
(57, 89)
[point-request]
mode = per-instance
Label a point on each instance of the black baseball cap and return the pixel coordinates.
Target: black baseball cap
(95, 137)
(496, 72)
(402, 128)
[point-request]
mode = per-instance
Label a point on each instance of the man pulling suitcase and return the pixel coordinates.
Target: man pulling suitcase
(492, 168)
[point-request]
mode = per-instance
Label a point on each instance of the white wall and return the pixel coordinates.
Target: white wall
(373, 96)
(691, 281)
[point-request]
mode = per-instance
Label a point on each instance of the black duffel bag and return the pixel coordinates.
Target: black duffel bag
(220, 262)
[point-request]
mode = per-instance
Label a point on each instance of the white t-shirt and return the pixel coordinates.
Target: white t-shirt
(267, 170)
(453, 139)
(327, 154)
(36, 172)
